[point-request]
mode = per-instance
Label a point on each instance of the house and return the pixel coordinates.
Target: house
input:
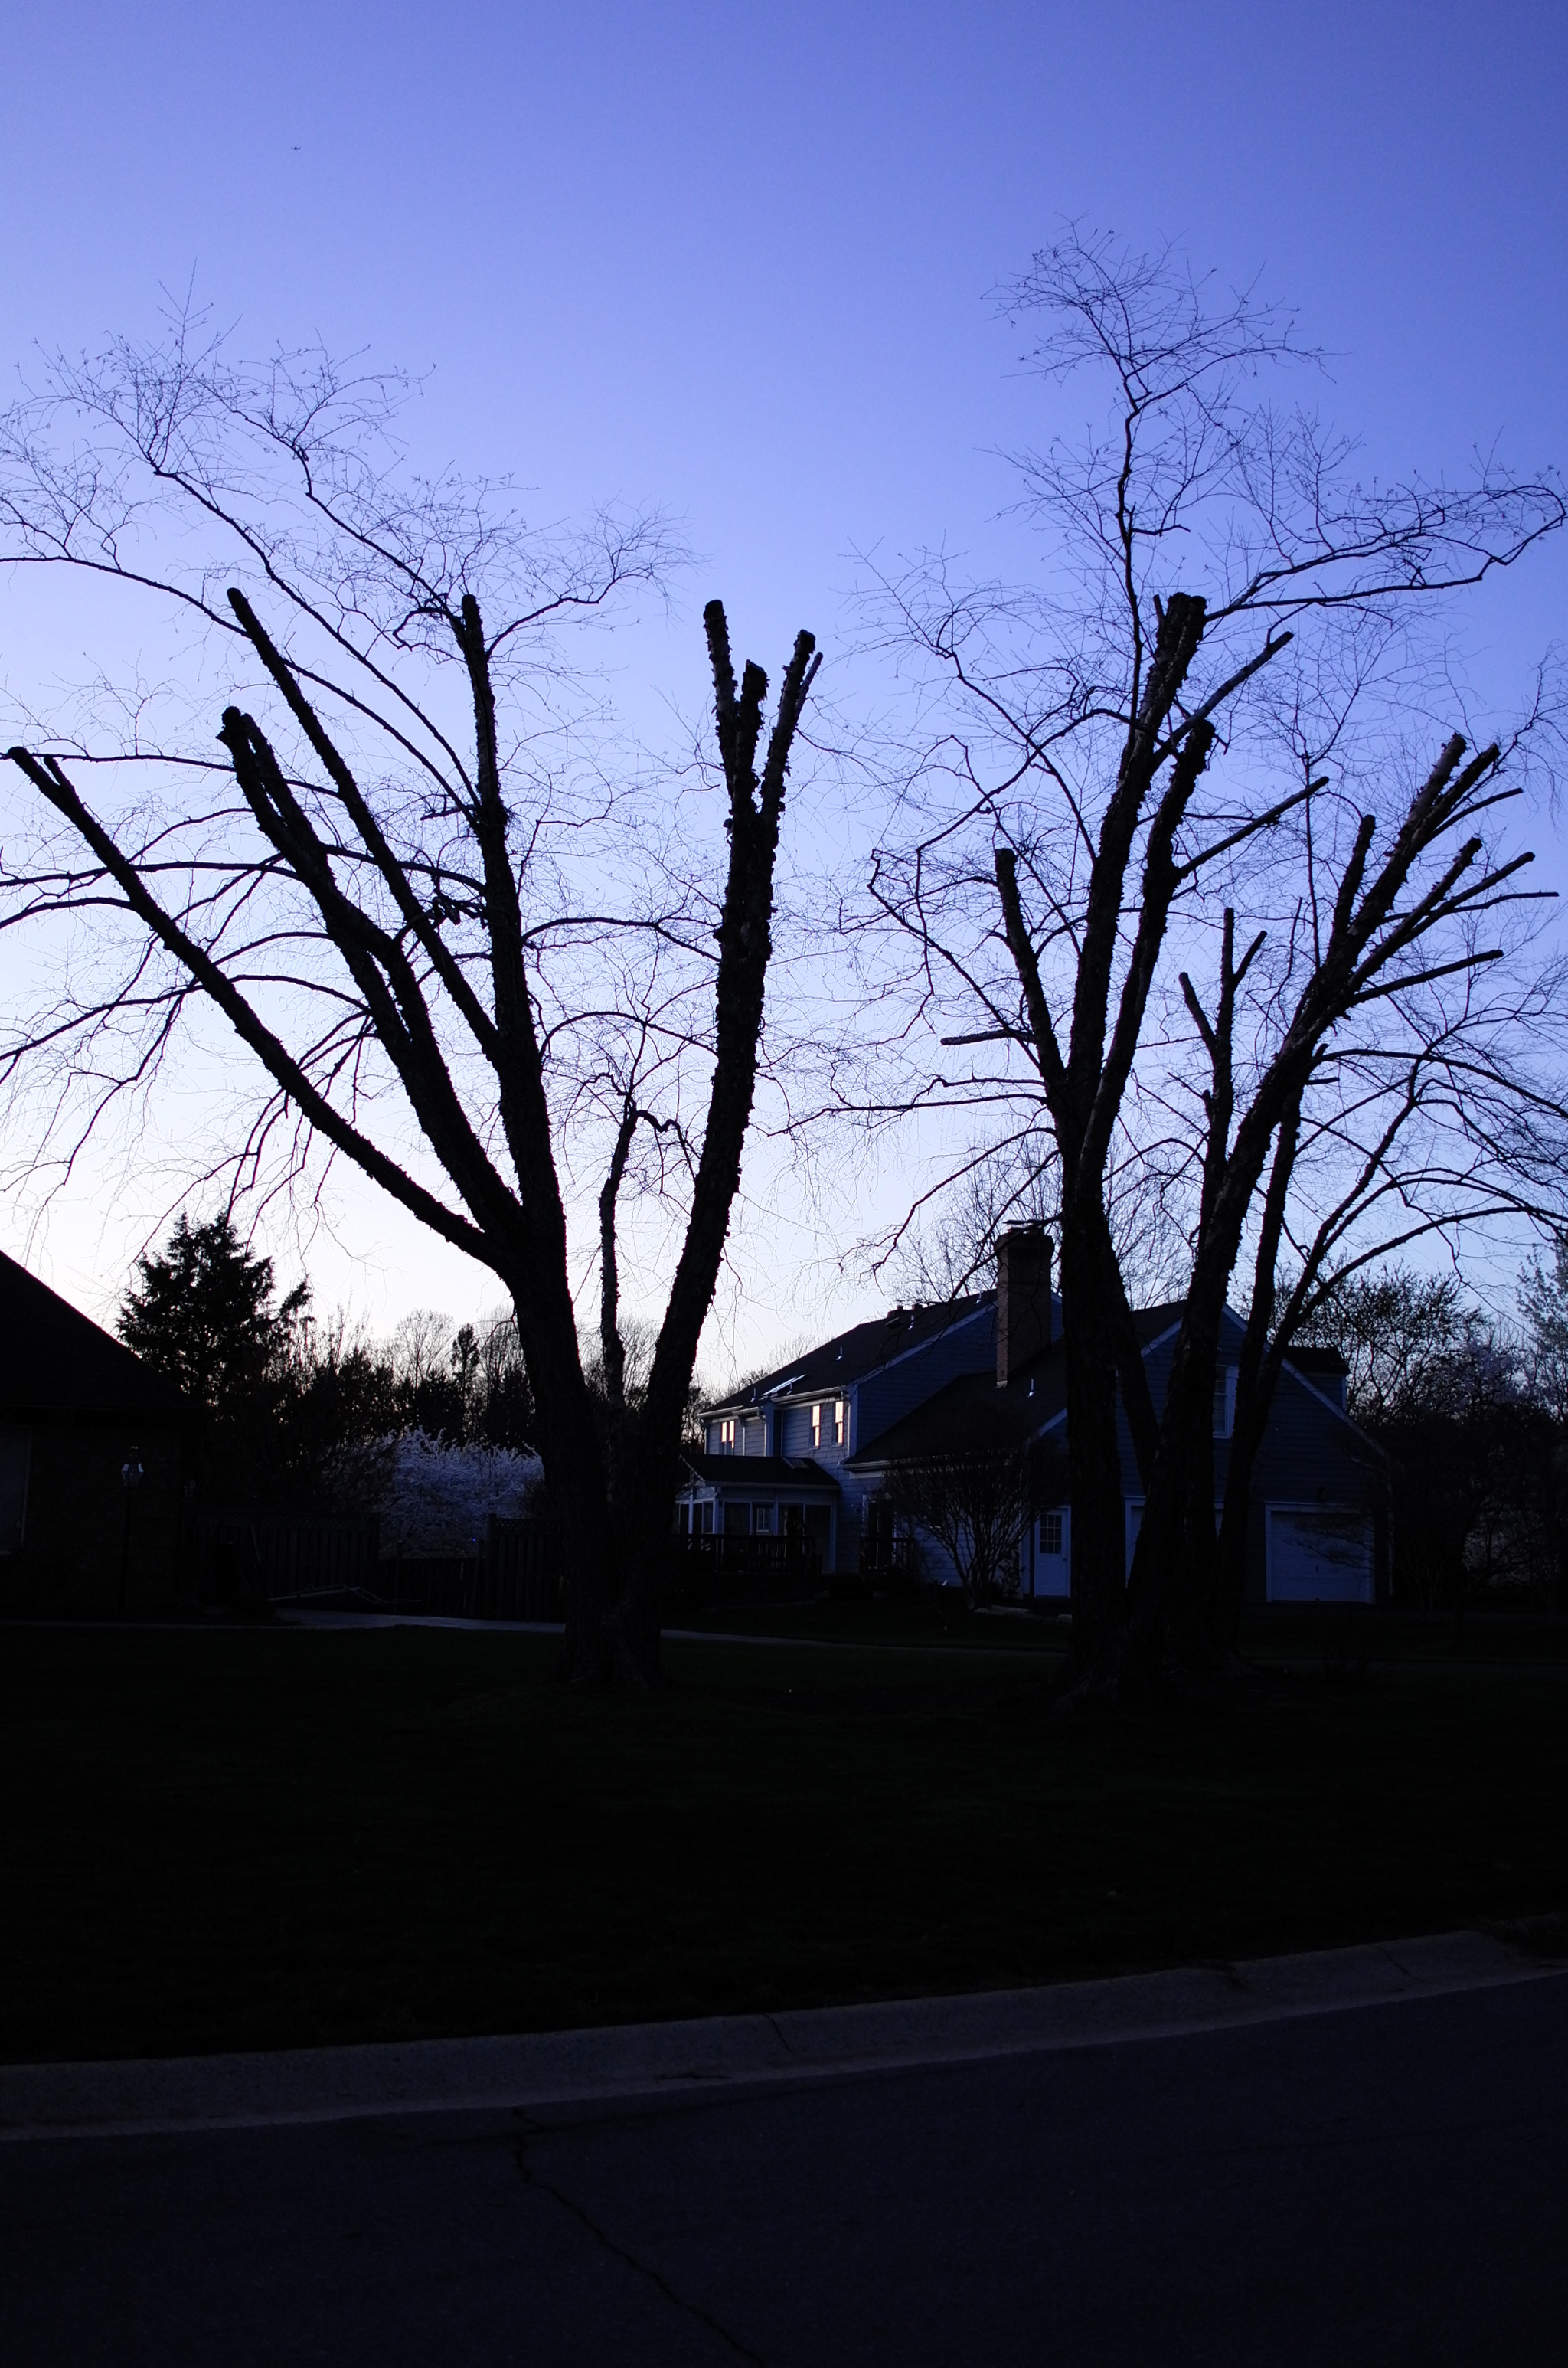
(92, 1462)
(815, 1444)
(776, 1460)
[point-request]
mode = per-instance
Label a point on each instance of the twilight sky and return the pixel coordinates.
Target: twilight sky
(735, 260)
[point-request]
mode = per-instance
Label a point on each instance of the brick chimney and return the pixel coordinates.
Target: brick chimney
(1023, 1299)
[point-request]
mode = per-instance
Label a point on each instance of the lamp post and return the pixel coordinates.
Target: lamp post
(130, 1478)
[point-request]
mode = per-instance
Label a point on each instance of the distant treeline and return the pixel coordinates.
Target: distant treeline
(288, 1405)
(1473, 1416)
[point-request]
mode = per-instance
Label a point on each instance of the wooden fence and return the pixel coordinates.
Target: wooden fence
(271, 1557)
(306, 1560)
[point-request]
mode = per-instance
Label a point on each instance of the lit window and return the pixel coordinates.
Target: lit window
(827, 1424)
(727, 1435)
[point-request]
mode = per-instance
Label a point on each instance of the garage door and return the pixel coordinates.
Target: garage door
(1319, 1555)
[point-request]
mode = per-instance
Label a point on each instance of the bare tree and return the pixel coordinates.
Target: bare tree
(463, 950)
(974, 1491)
(1394, 936)
(1112, 772)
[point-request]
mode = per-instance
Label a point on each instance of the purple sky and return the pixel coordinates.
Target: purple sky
(735, 260)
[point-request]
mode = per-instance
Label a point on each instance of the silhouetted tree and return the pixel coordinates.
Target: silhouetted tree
(1171, 725)
(450, 933)
(202, 1311)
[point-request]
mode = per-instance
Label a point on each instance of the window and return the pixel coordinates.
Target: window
(827, 1424)
(727, 1435)
(13, 1458)
(1050, 1533)
(762, 1521)
(1224, 1401)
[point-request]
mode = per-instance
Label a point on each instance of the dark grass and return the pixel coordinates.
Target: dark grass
(927, 1618)
(263, 1838)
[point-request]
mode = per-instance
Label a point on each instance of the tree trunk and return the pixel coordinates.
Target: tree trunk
(1094, 1456)
(1229, 1566)
(1171, 1584)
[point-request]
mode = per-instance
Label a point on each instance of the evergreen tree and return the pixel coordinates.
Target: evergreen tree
(201, 1312)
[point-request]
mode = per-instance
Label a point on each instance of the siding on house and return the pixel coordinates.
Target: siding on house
(895, 1389)
(881, 1375)
(1311, 1455)
(1313, 1461)
(795, 1424)
(1322, 1477)
(76, 1407)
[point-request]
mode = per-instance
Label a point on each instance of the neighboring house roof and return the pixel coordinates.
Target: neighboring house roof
(56, 1363)
(758, 1471)
(848, 1356)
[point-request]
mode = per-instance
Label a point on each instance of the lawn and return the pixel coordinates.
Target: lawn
(265, 1837)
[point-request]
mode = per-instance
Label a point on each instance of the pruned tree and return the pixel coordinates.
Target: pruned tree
(461, 948)
(1116, 766)
(1391, 939)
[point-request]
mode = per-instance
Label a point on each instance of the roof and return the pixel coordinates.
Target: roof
(1309, 1358)
(759, 1470)
(848, 1356)
(56, 1361)
(1032, 1400)
(1035, 1397)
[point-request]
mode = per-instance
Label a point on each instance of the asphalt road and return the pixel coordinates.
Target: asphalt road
(1386, 2184)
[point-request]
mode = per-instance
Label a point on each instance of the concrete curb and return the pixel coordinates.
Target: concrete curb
(642, 2060)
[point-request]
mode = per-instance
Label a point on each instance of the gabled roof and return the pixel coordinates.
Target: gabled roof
(1309, 1359)
(56, 1363)
(849, 1356)
(973, 1403)
(1036, 1396)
